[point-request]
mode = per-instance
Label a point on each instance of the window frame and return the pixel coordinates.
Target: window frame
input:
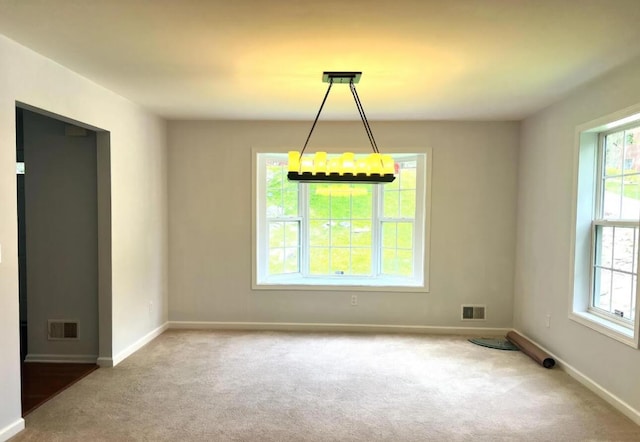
(586, 207)
(600, 221)
(343, 282)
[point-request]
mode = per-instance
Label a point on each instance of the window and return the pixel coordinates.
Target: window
(340, 234)
(607, 228)
(615, 226)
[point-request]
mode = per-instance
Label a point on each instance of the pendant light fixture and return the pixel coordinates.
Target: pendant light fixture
(374, 168)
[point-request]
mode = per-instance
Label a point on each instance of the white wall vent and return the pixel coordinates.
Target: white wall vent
(62, 329)
(473, 312)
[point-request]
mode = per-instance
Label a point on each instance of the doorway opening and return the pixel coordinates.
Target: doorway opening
(63, 187)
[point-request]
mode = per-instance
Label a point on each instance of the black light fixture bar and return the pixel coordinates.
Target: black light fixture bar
(309, 177)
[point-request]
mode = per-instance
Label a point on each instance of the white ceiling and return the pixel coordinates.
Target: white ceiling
(263, 59)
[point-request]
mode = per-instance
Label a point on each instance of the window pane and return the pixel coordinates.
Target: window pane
(407, 203)
(361, 261)
(276, 261)
(389, 261)
(397, 235)
(284, 247)
(290, 202)
(397, 262)
(391, 203)
(275, 174)
(400, 201)
(394, 185)
(632, 184)
(602, 289)
(346, 223)
(291, 233)
(291, 260)
(405, 263)
(274, 203)
(405, 236)
(631, 197)
(621, 293)
(389, 235)
(604, 246)
(340, 207)
(613, 153)
(282, 194)
(340, 234)
(361, 233)
(407, 175)
(319, 260)
(318, 204)
(319, 232)
(362, 201)
(632, 150)
(612, 198)
(340, 261)
(623, 250)
(276, 234)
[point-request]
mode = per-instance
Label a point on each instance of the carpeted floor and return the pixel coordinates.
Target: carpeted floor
(271, 386)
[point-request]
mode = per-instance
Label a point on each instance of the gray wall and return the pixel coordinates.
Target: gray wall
(545, 200)
(61, 237)
(138, 206)
(472, 223)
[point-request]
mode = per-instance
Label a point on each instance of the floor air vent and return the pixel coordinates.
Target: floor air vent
(473, 312)
(63, 329)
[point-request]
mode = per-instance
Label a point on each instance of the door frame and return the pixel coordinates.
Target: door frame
(105, 307)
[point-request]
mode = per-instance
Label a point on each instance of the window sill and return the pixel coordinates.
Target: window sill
(606, 327)
(341, 284)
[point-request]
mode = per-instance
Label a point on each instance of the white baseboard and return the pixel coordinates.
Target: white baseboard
(121, 356)
(76, 359)
(9, 431)
(592, 385)
(365, 328)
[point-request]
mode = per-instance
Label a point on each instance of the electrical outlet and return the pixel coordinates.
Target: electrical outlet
(150, 306)
(354, 299)
(548, 321)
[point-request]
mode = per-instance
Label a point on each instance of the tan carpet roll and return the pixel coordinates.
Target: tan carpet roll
(531, 350)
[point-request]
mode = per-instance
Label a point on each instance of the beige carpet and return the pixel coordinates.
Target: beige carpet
(271, 386)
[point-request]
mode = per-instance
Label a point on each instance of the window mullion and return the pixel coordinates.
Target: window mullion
(615, 223)
(601, 178)
(350, 270)
(634, 271)
(305, 240)
(376, 234)
(613, 269)
(624, 153)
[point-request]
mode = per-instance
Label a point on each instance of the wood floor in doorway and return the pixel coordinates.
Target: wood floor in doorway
(41, 381)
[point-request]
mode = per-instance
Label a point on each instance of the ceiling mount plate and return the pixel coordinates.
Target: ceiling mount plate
(341, 77)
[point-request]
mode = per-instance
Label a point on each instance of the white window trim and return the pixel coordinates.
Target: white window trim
(388, 284)
(583, 205)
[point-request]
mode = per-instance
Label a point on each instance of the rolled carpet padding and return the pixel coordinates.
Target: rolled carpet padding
(531, 350)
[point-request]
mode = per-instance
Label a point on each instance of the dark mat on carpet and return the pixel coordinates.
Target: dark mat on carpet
(500, 343)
